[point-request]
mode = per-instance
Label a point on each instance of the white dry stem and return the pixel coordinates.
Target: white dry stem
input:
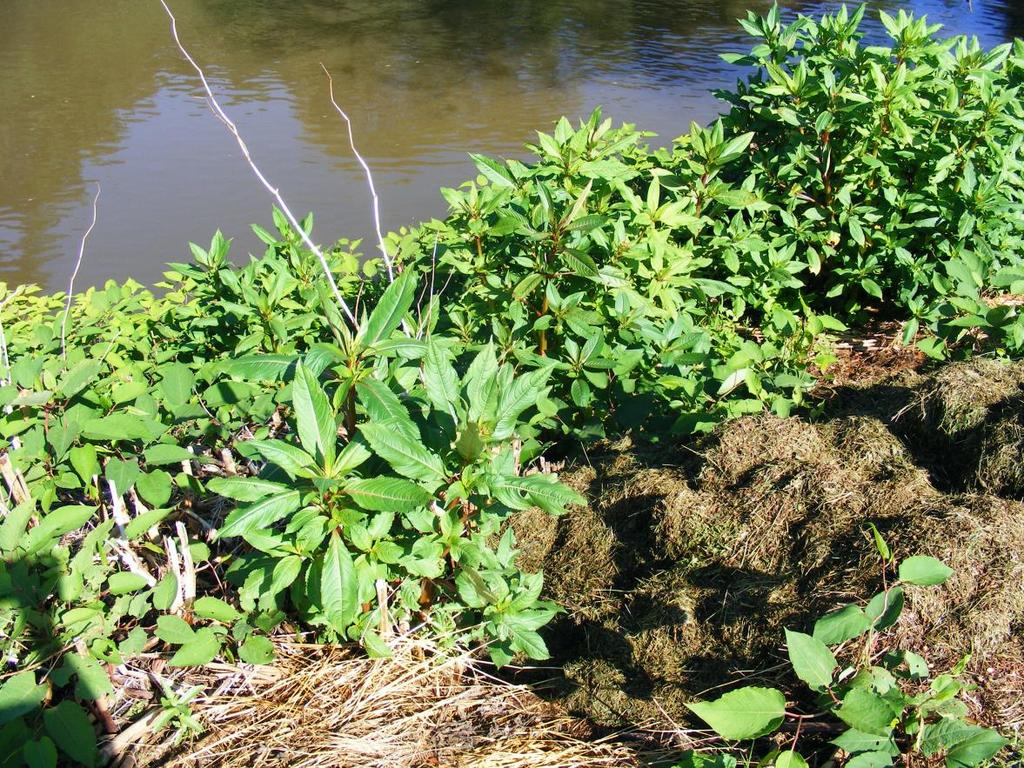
(188, 568)
(4, 359)
(274, 191)
(74, 275)
(174, 566)
(369, 177)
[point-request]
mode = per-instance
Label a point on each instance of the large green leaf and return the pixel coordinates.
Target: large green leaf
(440, 379)
(524, 392)
(746, 713)
(316, 425)
(244, 488)
(924, 571)
(339, 588)
(383, 405)
(260, 515)
(407, 456)
(19, 695)
(123, 426)
(866, 711)
(201, 649)
(176, 384)
(812, 661)
(542, 491)
(293, 460)
(390, 310)
(71, 730)
(261, 367)
(54, 525)
(387, 494)
(841, 625)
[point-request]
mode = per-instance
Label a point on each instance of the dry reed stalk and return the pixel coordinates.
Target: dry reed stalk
(332, 706)
(369, 177)
(274, 191)
(74, 275)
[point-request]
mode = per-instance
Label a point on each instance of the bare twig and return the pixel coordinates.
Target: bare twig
(74, 274)
(369, 177)
(274, 192)
(188, 568)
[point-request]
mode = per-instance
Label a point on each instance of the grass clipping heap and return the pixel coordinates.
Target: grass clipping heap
(687, 565)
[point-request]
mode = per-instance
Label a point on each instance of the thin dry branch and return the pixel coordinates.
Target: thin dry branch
(74, 275)
(274, 191)
(369, 177)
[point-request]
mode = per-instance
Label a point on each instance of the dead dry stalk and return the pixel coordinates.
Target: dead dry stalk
(369, 177)
(74, 275)
(274, 191)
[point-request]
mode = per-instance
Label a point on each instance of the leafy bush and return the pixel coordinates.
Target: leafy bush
(573, 262)
(890, 176)
(123, 423)
(679, 287)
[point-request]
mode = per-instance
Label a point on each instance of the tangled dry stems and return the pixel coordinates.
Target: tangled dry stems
(320, 706)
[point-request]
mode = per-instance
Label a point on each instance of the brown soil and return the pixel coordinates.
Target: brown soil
(688, 562)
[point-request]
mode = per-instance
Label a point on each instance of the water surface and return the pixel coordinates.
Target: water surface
(95, 91)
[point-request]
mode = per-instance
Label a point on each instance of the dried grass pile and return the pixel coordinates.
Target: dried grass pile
(684, 569)
(321, 706)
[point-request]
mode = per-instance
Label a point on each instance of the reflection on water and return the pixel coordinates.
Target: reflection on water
(93, 90)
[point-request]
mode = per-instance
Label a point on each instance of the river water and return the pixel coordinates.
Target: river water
(93, 91)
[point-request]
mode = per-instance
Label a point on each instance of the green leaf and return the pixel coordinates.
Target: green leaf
(867, 712)
(841, 625)
(924, 571)
(244, 488)
(155, 487)
(408, 457)
(387, 494)
(495, 172)
(975, 750)
(746, 713)
(317, 428)
(440, 379)
(390, 310)
(122, 473)
(174, 629)
(879, 759)
(260, 515)
(142, 523)
(256, 650)
(812, 661)
(54, 525)
(339, 588)
(78, 378)
(123, 426)
(542, 491)
(790, 759)
(853, 741)
(261, 367)
(85, 461)
(523, 393)
(201, 649)
(211, 608)
(71, 730)
(40, 754)
(294, 461)
(176, 384)
(20, 695)
(165, 453)
(122, 582)
(885, 608)
(383, 405)
(92, 679)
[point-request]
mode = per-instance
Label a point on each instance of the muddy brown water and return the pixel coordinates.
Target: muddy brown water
(94, 91)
